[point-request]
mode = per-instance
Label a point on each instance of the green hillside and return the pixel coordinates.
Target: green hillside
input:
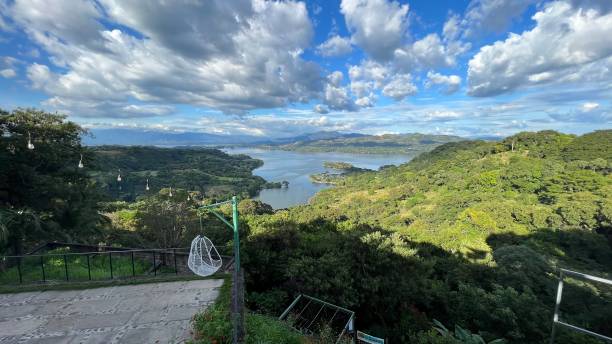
(371, 144)
(209, 171)
(469, 234)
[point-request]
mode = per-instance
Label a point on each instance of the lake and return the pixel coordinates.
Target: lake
(296, 167)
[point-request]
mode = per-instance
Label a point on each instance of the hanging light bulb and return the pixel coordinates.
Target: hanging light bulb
(119, 176)
(147, 187)
(30, 145)
(81, 162)
(170, 193)
(188, 197)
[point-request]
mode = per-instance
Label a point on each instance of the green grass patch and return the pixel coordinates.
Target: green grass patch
(214, 325)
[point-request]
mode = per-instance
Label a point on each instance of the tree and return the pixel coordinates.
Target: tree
(165, 218)
(44, 195)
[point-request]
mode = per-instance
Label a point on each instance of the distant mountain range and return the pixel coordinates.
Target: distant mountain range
(138, 137)
(323, 141)
(411, 143)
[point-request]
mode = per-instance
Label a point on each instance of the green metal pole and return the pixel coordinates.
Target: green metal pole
(236, 236)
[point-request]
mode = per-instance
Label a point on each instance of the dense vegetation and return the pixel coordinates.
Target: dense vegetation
(469, 234)
(44, 196)
(208, 171)
(54, 189)
(343, 169)
(369, 144)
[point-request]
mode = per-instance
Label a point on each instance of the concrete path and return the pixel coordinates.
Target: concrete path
(144, 313)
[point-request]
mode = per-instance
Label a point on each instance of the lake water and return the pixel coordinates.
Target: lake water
(296, 167)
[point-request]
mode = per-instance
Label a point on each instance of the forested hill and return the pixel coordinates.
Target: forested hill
(369, 144)
(470, 234)
(209, 171)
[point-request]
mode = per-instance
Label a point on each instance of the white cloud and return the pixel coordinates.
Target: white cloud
(428, 52)
(566, 44)
(8, 73)
(377, 26)
(335, 46)
(400, 87)
(366, 78)
(337, 98)
(451, 82)
(335, 78)
(589, 106)
(451, 28)
(226, 56)
(196, 29)
(492, 15)
(320, 108)
(367, 101)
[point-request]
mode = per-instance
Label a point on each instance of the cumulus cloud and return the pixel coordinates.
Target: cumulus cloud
(335, 46)
(8, 73)
(451, 83)
(567, 44)
(320, 108)
(248, 58)
(338, 98)
(429, 52)
(335, 78)
(492, 15)
(399, 87)
(377, 26)
(366, 78)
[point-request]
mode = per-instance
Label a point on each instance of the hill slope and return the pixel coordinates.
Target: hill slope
(210, 171)
(470, 234)
(368, 144)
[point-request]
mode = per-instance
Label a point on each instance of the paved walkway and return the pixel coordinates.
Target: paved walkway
(144, 313)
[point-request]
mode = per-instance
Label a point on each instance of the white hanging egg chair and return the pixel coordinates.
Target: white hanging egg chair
(204, 259)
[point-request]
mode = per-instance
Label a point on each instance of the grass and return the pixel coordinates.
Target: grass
(214, 326)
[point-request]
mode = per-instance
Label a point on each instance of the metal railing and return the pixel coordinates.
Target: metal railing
(557, 322)
(92, 266)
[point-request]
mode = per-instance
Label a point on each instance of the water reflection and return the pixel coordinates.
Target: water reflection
(296, 167)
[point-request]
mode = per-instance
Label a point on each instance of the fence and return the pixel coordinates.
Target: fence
(557, 322)
(106, 264)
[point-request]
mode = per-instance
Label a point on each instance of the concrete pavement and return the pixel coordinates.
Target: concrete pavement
(144, 313)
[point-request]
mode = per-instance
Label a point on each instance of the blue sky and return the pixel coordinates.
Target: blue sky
(270, 69)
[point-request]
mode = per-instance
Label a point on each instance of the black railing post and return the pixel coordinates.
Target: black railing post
(42, 268)
(174, 253)
(110, 262)
(133, 269)
(154, 265)
(19, 270)
(88, 268)
(66, 267)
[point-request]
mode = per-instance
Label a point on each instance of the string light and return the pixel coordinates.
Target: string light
(81, 162)
(170, 193)
(147, 187)
(119, 176)
(30, 145)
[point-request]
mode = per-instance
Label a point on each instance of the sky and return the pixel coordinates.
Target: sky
(283, 68)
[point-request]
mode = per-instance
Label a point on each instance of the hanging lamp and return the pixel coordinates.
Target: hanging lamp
(81, 162)
(147, 186)
(30, 145)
